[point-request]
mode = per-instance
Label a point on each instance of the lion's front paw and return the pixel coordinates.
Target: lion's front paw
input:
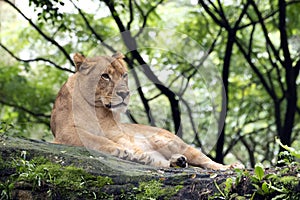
(236, 166)
(178, 160)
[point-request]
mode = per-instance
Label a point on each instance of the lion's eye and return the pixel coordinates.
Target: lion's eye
(125, 75)
(105, 77)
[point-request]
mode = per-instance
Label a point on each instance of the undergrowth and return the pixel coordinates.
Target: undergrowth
(276, 184)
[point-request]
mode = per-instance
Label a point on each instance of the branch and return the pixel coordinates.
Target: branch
(256, 71)
(237, 23)
(41, 32)
(250, 152)
(34, 60)
(131, 14)
(283, 36)
(212, 15)
(131, 45)
(279, 78)
(36, 115)
(240, 137)
(146, 16)
(154, 97)
(222, 13)
(210, 50)
(267, 16)
(253, 22)
(196, 68)
(115, 15)
(265, 31)
(24, 109)
(98, 37)
(141, 93)
(130, 116)
(191, 120)
(251, 40)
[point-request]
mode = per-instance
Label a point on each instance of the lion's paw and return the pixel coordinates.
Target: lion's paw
(178, 160)
(236, 166)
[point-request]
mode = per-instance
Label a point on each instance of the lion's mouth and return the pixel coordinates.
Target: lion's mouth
(115, 106)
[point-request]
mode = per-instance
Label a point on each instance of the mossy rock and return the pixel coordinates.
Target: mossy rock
(32, 169)
(29, 167)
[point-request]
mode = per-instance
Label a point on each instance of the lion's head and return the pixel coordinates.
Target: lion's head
(103, 81)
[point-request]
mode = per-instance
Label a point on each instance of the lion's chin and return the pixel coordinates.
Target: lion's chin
(112, 106)
(120, 107)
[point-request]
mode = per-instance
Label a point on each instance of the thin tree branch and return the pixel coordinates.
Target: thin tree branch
(212, 15)
(98, 36)
(222, 14)
(250, 152)
(130, 14)
(256, 70)
(34, 60)
(196, 68)
(141, 93)
(244, 11)
(265, 31)
(191, 120)
(38, 115)
(210, 50)
(251, 40)
(131, 117)
(131, 45)
(51, 40)
(145, 17)
(278, 73)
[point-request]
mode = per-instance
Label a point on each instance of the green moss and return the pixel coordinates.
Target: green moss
(40, 172)
(153, 189)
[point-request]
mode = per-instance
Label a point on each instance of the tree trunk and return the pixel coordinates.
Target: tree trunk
(225, 75)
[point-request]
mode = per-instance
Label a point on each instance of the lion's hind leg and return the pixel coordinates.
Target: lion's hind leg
(197, 158)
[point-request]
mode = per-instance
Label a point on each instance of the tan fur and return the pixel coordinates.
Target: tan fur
(86, 113)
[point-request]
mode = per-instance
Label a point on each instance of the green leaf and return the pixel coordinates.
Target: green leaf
(279, 197)
(292, 151)
(265, 188)
(259, 171)
(271, 176)
(228, 185)
(254, 179)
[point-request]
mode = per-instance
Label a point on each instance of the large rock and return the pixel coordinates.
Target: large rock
(32, 169)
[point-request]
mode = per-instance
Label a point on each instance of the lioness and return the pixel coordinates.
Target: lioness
(87, 111)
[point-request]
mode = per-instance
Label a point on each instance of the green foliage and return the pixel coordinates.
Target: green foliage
(291, 150)
(284, 184)
(47, 10)
(228, 189)
(277, 186)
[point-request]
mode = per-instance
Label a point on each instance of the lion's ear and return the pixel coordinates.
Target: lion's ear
(118, 55)
(78, 60)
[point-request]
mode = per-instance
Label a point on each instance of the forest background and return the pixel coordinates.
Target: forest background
(222, 75)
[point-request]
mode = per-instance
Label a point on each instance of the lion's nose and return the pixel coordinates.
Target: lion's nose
(123, 94)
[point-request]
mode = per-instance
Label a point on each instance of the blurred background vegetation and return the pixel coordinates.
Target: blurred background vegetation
(254, 45)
